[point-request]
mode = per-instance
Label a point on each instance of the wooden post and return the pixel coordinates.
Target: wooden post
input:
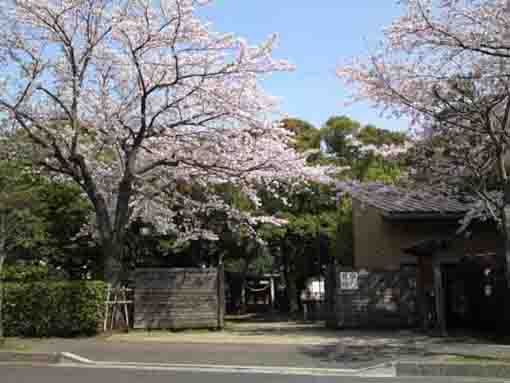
(421, 296)
(243, 297)
(105, 324)
(221, 296)
(439, 295)
(273, 295)
(114, 307)
(126, 311)
(331, 295)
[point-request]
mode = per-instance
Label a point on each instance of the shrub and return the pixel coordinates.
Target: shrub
(43, 309)
(25, 273)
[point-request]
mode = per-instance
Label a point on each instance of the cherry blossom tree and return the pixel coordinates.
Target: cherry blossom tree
(446, 65)
(137, 99)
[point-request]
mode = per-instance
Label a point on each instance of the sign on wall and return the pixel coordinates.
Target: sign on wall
(349, 280)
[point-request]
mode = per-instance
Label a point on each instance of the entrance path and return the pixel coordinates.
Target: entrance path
(245, 332)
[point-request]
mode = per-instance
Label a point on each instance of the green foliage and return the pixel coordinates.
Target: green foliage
(25, 273)
(260, 265)
(65, 212)
(373, 168)
(233, 196)
(307, 136)
(311, 198)
(20, 212)
(345, 240)
(43, 217)
(371, 135)
(335, 135)
(310, 237)
(317, 228)
(44, 309)
(314, 210)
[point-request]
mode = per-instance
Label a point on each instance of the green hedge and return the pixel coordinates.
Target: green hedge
(25, 273)
(62, 309)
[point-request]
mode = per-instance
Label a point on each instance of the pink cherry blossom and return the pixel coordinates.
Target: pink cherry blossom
(445, 65)
(131, 99)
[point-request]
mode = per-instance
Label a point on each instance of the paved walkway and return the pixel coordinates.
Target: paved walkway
(290, 344)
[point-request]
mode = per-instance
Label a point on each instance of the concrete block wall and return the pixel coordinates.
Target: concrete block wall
(383, 299)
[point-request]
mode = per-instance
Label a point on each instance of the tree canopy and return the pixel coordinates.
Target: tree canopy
(133, 100)
(445, 66)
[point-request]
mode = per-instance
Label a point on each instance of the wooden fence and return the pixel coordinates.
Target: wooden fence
(179, 298)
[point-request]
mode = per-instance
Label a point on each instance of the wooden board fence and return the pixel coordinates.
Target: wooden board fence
(178, 298)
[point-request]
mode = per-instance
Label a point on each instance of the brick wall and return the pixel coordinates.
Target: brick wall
(382, 299)
(176, 299)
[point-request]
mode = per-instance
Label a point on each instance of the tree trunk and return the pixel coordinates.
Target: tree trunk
(291, 288)
(292, 292)
(331, 283)
(439, 298)
(221, 295)
(506, 230)
(112, 242)
(506, 240)
(244, 276)
(111, 227)
(112, 262)
(113, 275)
(2, 260)
(3, 256)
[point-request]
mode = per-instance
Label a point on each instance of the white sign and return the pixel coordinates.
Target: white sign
(348, 280)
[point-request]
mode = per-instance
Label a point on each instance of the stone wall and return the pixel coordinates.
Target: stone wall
(178, 298)
(378, 299)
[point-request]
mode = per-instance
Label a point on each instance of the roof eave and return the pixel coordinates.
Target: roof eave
(412, 216)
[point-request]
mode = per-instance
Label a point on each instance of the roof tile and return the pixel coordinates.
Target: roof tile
(393, 200)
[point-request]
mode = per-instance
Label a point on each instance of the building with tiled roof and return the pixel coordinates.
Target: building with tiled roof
(409, 259)
(396, 203)
(387, 219)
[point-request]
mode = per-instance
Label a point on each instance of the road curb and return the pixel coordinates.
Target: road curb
(216, 368)
(78, 361)
(495, 370)
(70, 357)
(29, 357)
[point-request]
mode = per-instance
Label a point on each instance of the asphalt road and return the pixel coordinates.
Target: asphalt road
(45, 374)
(317, 356)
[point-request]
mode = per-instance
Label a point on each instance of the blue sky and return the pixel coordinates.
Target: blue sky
(315, 36)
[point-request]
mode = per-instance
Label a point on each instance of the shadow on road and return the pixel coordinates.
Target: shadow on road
(364, 355)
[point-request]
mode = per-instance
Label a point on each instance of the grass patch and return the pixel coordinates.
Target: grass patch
(477, 359)
(14, 344)
(160, 333)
